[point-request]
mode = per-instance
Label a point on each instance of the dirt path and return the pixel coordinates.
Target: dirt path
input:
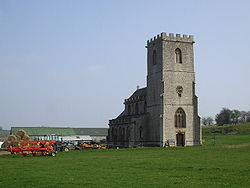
(236, 145)
(4, 152)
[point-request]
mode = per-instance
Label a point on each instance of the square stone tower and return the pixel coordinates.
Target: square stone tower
(171, 101)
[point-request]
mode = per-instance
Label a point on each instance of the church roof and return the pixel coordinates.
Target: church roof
(91, 131)
(139, 92)
(138, 95)
(122, 114)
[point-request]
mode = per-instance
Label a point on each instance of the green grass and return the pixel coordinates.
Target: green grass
(210, 165)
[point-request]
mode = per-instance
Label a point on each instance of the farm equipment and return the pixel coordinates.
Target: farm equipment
(22, 145)
(63, 146)
(34, 148)
(91, 146)
(74, 145)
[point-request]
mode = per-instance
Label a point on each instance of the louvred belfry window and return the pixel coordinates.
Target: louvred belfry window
(178, 55)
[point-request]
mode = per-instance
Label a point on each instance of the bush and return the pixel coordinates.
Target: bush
(243, 128)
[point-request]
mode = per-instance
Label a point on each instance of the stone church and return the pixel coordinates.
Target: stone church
(165, 113)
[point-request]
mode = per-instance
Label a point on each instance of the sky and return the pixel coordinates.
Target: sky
(72, 63)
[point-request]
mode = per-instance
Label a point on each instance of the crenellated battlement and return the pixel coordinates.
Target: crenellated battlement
(170, 37)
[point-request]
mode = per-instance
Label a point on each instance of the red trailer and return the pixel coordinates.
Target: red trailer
(33, 148)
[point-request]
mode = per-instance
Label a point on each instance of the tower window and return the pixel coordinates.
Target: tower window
(180, 118)
(154, 57)
(178, 55)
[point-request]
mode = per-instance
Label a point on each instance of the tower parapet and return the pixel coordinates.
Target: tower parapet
(170, 37)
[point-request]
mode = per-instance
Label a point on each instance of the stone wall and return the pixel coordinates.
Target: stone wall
(163, 79)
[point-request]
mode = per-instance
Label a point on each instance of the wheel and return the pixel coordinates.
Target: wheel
(53, 154)
(66, 149)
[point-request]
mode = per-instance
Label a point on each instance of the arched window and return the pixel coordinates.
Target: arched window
(136, 108)
(112, 133)
(145, 107)
(140, 132)
(128, 133)
(180, 118)
(178, 56)
(123, 134)
(115, 135)
(154, 57)
(129, 109)
(120, 134)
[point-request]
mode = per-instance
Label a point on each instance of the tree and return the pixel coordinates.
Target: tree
(204, 121)
(210, 120)
(207, 121)
(224, 117)
(243, 116)
(235, 116)
(248, 116)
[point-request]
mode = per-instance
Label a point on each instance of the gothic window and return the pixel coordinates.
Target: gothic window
(180, 118)
(140, 132)
(115, 135)
(136, 108)
(120, 134)
(128, 133)
(145, 107)
(123, 134)
(129, 110)
(112, 133)
(154, 57)
(178, 56)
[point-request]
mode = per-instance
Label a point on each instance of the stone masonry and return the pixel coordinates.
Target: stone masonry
(165, 113)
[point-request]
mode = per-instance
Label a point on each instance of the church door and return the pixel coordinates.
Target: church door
(180, 138)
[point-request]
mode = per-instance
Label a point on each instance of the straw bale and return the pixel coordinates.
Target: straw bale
(21, 133)
(18, 138)
(26, 138)
(12, 138)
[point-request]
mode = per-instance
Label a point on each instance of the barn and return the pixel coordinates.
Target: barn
(64, 133)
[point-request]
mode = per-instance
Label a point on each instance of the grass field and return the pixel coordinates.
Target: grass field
(223, 161)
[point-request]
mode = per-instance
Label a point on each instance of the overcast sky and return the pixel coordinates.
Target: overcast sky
(72, 63)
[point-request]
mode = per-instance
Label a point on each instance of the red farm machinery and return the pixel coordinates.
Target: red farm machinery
(33, 148)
